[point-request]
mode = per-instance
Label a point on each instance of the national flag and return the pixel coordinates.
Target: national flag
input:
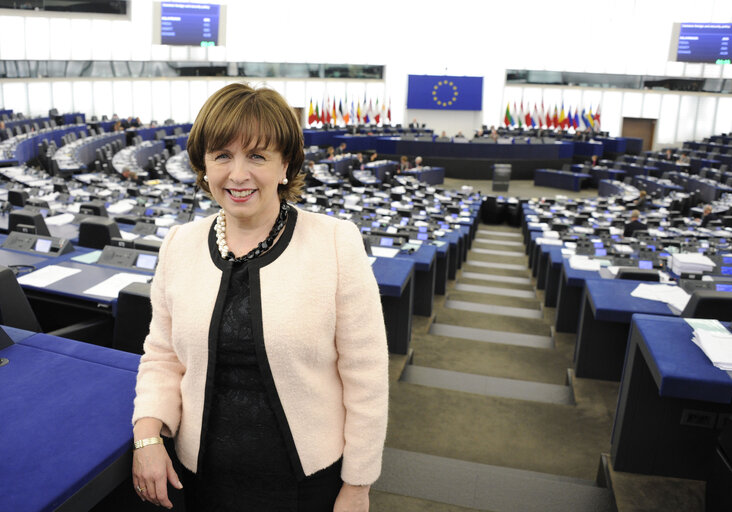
(352, 113)
(322, 112)
(562, 117)
(597, 119)
(316, 117)
(369, 113)
(326, 107)
(555, 118)
(527, 114)
(516, 115)
(591, 118)
(341, 120)
(383, 112)
(507, 119)
(311, 116)
(334, 117)
(377, 113)
(358, 112)
(569, 118)
(388, 112)
(346, 115)
(536, 118)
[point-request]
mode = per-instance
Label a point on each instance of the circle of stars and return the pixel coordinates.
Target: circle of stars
(445, 89)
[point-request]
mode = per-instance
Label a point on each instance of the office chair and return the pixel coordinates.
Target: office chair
(709, 304)
(16, 311)
(28, 221)
(637, 274)
(134, 313)
(97, 232)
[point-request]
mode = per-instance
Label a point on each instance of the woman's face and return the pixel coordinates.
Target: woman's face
(244, 181)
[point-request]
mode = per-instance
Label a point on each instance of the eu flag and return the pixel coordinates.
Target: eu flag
(445, 92)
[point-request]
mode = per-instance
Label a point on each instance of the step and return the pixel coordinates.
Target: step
(499, 233)
(499, 242)
(494, 310)
(488, 386)
(493, 290)
(489, 336)
(502, 266)
(486, 487)
(496, 278)
(497, 253)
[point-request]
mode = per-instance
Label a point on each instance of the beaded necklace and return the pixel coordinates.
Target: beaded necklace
(261, 248)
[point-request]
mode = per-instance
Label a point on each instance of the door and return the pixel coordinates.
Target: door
(640, 128)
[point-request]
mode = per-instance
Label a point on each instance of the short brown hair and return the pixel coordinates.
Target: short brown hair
(262, 118)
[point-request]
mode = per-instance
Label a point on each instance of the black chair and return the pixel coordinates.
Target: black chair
(17, 197)
(27, 221)
(638, 274)
(16, 311)
(97, 232)
(709, 304)
(134, 313)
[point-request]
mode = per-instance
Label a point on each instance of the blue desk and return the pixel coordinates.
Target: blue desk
(559, 179)
(442, 265)
(65, 425)
(424, 260)
(672, 405)
(396, 285)
(602, 334)
(553, 276)
(569, 296)
(601, 173)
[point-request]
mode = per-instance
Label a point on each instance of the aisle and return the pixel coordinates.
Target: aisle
(487, 416)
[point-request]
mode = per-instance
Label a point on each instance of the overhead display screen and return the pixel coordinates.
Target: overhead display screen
(188, 24)
(701, 42)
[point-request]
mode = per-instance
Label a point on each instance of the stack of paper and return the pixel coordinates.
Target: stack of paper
(578, 262)
(714, 340)
(690, 263)
(670, 294)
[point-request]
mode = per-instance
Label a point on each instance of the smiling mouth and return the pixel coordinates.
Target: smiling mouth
(241, 194)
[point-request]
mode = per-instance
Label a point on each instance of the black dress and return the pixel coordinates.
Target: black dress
(244, 463)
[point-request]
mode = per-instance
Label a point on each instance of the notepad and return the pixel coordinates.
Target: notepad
(384, 252)
(47, 275)
(111, 286)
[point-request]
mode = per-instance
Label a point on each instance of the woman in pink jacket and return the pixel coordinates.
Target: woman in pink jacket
(266, 360)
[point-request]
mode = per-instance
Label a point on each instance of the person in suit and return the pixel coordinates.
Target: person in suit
(403, 163)
(418, 162)
(634, 224)
(360, 164)
(707, 216)
(341, 149)
(272, 378)
(684, 159)
(640, 203)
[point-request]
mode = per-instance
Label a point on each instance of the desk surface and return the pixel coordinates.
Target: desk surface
(574, 277)
(679, 367)
(58, 431)
(611, 300)
(392, 275)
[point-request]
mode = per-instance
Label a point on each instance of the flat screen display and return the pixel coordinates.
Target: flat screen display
(189, 24)
(701, 42)
(724, 287)
(146, 261)
(386, 242)
(645, 264)
(42, 245)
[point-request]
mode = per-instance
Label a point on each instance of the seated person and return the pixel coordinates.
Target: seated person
(418, 162)
(458, 135)
(374, 157)
(593, 161)
(708, 216)
(478, 134)
(443, 137)
(634, 224)
(640, 203)
(403, 163)
(359, 163)
(684, 159)
(331, 153)
(668, 154)
(341, 150)
(494, 134)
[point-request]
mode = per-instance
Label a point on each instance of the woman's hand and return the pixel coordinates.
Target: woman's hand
(352, 498)
(152, 468)
(151, 472)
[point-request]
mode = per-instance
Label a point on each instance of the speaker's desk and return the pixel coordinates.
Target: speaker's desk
(673, 402)
(65, 429)
(569, 296)
(395, 278)
(602, 334)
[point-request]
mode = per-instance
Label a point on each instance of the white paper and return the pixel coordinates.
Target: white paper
(671, 295)
(384, 252)
(111, 286)
(371, 260)
(126, 235)
(47, 275)
(583, 263)
(60, 220)
(714, 340)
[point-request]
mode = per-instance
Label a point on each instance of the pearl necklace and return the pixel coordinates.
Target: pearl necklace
(262, 247)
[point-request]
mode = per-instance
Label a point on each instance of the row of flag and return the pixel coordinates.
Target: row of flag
(539, 117)
(340, 114)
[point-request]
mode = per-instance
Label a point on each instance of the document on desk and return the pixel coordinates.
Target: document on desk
(714, 340)
(59, 220)
(674, 296)
(47, 275)
(111, 286)
(384, 252)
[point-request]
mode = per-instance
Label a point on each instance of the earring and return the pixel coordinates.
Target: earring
(284, 181)
(205, 178)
